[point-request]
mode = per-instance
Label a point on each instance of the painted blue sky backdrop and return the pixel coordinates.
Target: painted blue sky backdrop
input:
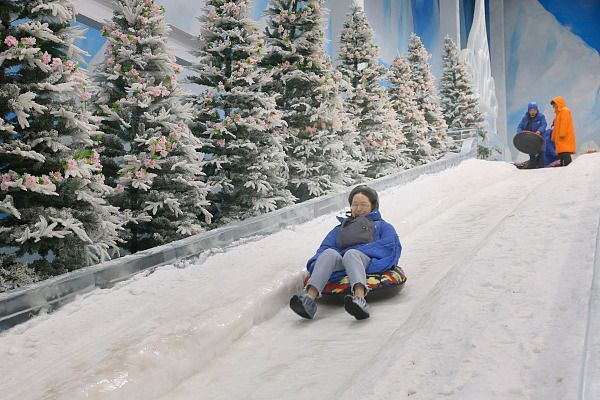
(259, 8)
(92, 42)
(426, 19)
(582, 17)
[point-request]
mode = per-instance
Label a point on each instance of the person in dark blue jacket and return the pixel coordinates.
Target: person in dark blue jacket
(534, 121)
(362, 243)
(549, 148)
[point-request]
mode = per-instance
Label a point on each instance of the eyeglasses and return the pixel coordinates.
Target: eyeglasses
(360, 205)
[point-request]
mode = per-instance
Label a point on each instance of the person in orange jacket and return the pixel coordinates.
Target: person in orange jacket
(563, 133)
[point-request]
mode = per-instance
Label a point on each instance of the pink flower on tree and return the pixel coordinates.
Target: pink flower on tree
(11, 41)
(78, 77)
(155, 148)
(95, 160)
(220, 127)
(46, 58)
(70, 65)
(57, 176)
(5, 180)
(71, 165)
(29, 181)
(155, 91)
(28, 41)
(56, 62)
(225, 7)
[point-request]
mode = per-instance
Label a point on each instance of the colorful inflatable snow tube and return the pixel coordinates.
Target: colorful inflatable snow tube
(392, 278)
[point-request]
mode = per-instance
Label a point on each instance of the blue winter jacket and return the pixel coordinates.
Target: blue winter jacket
(538, 123)
(384, 250)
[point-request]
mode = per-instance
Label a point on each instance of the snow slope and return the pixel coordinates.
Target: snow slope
(499, 262)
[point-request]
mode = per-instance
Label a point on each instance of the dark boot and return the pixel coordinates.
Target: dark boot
(565, 159)
(303, 305)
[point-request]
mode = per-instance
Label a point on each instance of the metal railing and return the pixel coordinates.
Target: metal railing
(459, 135)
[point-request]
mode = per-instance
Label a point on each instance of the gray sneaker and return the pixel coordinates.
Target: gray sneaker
(356, 306)
(303, 305)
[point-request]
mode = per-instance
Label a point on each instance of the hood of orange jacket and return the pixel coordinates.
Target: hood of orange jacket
(560, 102)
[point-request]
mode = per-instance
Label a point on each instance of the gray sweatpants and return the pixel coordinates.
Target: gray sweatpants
(354, 262)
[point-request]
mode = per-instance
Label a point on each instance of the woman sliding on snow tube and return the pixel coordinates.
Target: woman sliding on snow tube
(363, 243)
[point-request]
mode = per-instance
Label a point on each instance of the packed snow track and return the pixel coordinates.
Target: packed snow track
(499, 264)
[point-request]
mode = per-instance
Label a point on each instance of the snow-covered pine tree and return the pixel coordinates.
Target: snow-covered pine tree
(324, 154)
(151, 155)
(426, 97)
(51, 182)
(367, 100)
(458, 101)
(410, 116)
(239, 122)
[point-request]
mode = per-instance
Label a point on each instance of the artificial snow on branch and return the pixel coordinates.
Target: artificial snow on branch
(7, 206)
(150, 153)
(241, 129)
(51, 181)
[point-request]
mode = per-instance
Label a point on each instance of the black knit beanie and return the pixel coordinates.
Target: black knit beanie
(367, 191)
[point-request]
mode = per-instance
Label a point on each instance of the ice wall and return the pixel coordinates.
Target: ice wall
(545, 59)
(183, 14)
(477, 56)
(392, 22)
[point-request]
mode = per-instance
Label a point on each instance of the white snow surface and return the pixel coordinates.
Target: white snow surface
(499, 264)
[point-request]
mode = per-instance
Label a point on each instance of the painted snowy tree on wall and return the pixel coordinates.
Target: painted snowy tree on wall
(322, 147)
(151, 155)
(243, 131)
(458, 101)
(411, 118)
(51, 181)
(425, 95)
(367, 101)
